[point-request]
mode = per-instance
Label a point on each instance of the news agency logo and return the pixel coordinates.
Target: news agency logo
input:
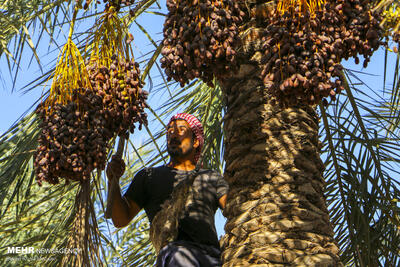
(32, 250)
(24, 255)
(20, 250)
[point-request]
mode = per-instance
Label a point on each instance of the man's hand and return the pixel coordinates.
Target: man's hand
(116, 168)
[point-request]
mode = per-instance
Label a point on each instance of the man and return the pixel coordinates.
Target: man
(196, 243)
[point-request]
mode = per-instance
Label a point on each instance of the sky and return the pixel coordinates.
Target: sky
(13, 103)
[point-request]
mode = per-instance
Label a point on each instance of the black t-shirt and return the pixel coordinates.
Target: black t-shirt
(151, 187)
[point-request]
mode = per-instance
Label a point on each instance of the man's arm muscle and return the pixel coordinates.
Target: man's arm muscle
(123, 209)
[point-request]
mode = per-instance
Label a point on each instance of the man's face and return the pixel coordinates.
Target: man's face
(180, 141)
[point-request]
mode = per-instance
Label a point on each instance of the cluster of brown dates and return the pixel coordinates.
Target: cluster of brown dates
(75, 135)
(200, 39)
(73, 139)
(303, 50)
(120, 89)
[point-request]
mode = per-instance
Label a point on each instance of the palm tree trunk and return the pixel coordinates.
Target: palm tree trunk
(276, 211)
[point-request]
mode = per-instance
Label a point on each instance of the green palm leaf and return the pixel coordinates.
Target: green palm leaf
(360, 174)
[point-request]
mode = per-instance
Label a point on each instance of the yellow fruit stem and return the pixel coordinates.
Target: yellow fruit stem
(70, 74)
(108, 41)
(304, 5)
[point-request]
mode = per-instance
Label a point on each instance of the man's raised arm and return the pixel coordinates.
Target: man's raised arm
(122, 209)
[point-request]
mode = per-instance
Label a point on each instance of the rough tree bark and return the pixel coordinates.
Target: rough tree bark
(276, 211)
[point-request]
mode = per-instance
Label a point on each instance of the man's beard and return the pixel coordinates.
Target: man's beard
(177, 152)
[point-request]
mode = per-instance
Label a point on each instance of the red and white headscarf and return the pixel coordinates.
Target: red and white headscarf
(195, 126)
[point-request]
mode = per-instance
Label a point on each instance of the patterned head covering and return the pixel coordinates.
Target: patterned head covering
(195, 126)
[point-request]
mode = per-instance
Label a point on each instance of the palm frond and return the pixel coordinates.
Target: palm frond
(17, 147)
(361, 178)
(18, 23)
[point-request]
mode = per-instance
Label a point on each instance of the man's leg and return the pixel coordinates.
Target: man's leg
(174, 255)
(182, 254)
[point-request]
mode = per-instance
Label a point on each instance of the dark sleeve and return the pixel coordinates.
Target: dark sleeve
(222, 186)
(137, 190)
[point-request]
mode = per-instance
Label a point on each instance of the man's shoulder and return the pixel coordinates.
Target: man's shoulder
(153, 168)
(162, 170)
(202, 170)
(210, 173)
(148, 171)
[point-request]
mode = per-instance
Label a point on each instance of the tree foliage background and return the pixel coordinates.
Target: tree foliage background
(359, 138)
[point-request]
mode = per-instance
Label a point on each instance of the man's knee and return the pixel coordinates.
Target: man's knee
(185, 254)
(174, 255)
